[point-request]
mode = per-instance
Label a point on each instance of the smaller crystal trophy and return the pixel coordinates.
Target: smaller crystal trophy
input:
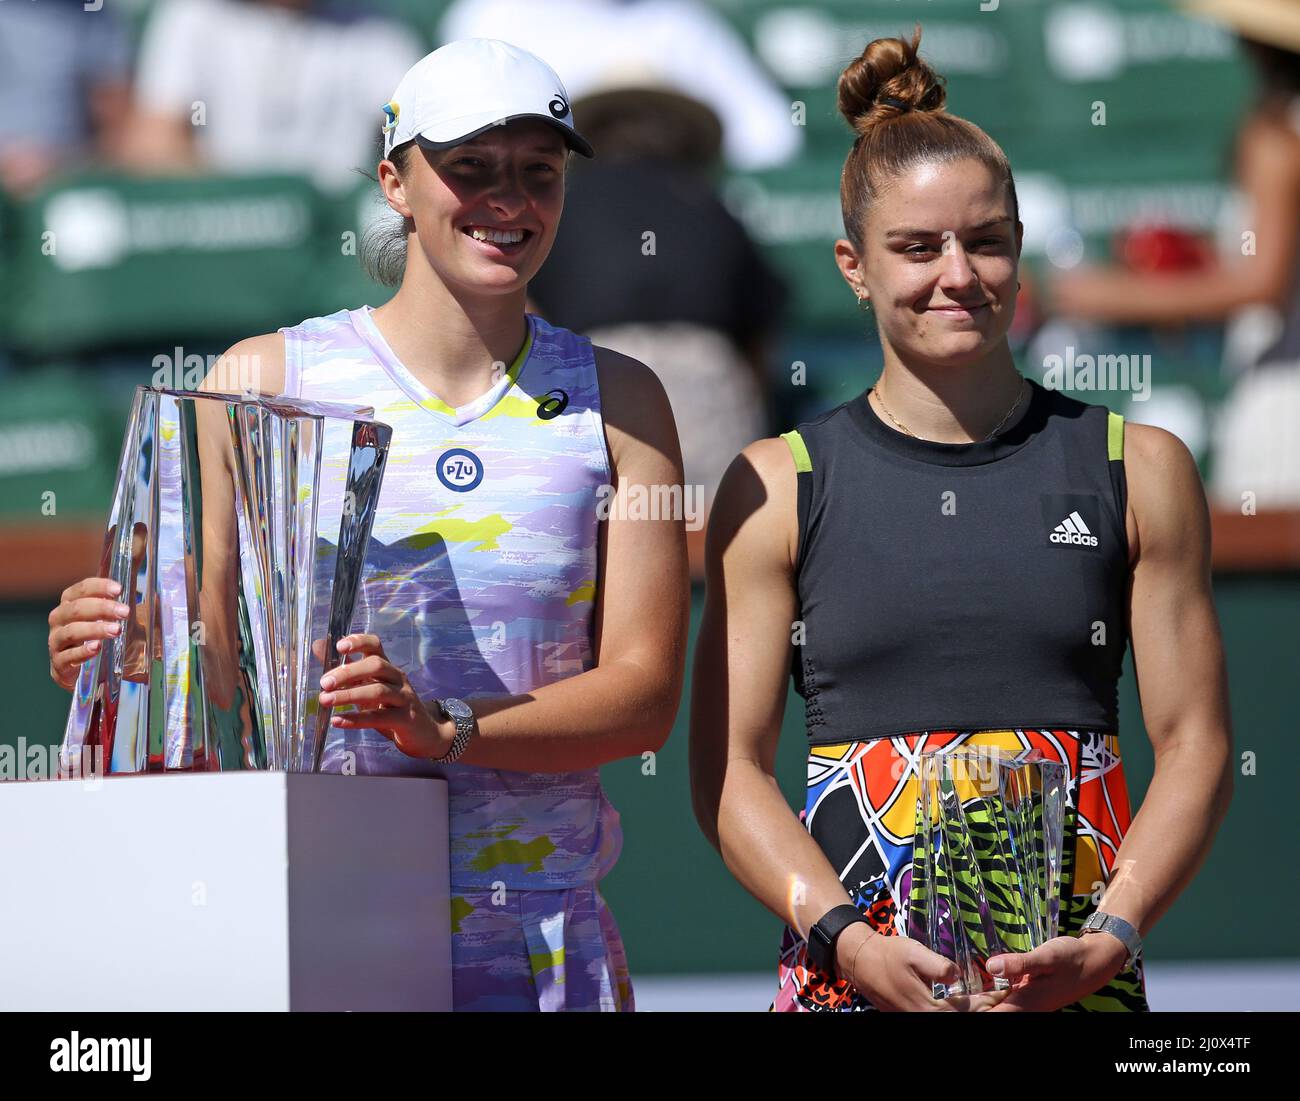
(986, 871)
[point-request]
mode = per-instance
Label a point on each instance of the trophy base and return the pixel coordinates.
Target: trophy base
(939, 990)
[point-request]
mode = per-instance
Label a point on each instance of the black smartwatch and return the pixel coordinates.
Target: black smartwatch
(822, 936)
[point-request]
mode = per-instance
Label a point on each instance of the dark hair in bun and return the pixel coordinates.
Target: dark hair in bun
(895, 101)
(888, 69)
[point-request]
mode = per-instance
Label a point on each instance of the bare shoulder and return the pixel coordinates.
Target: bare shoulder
(626, 384)
(256, 362)
(634, 407)
(773, 461)
(757, 503)
(1156, 457)
(1165, 492)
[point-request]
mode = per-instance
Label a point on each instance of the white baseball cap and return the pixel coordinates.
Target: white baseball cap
(465, 88)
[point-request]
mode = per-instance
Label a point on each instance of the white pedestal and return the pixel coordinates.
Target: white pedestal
(229, 890)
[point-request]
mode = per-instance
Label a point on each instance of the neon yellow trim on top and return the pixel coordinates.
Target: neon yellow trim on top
(802, 461)
(512, 373)
(1115, 436)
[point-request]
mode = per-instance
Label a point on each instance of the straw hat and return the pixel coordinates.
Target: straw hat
(1276, 22)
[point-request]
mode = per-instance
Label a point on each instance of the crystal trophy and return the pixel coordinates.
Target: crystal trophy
(238, 530)
(986, 864)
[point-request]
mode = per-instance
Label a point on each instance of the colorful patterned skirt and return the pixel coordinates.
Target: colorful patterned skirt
(861, 810)
(530, 951)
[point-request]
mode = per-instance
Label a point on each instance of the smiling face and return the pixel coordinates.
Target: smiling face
(938, 262)
(486, 210)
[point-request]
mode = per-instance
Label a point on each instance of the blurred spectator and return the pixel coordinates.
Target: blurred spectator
(240, 86)
(64, 88)
(649, 262)
(1256, 284)
(694, 49)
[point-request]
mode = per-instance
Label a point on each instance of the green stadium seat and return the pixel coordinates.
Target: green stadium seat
(102, 261)
(60, 447)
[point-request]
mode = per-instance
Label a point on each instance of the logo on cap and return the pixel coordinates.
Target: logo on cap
(391, 111)
(558, 107)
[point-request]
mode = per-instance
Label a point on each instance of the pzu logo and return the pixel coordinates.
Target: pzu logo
(459, 470)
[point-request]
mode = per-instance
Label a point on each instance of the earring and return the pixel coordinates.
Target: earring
(864, 303)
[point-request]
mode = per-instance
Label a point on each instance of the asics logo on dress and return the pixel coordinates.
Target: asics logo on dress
(1073, 530)
(553, 403)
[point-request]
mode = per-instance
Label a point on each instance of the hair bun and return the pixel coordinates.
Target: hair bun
(888, 79)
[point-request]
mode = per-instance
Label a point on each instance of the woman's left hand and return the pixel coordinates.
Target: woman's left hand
(1059, 972)
(384, 700)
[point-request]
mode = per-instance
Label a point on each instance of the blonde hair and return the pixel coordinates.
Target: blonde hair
(382, 251)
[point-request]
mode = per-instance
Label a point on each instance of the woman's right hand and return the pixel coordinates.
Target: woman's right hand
(86, 615)
(898, 973)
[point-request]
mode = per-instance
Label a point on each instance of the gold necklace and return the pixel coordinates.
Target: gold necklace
(1020, 393)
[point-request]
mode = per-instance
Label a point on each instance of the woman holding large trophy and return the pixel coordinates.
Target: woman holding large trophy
(954, 560)
(507, 645)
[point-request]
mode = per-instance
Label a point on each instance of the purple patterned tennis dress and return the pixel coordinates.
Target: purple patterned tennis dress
(480, 580)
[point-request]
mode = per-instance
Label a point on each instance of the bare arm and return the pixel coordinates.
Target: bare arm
(171, 81)
(110, 109)
(1269, 175)
(742, 660)
(1178, 658)
(626, 703)
(163, 143)
(1179, 662)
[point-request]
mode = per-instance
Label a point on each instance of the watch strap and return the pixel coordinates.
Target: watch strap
(1101, 922)
(464, 731)
(823, 934)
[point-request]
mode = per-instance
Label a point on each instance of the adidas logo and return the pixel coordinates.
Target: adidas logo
(1073, 530)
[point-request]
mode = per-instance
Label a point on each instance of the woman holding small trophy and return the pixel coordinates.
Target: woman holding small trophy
(956, 559)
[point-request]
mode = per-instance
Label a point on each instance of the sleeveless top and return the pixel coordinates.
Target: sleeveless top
(480, 576)
(960, 586)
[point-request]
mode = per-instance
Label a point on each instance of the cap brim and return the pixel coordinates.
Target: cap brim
(572, 138)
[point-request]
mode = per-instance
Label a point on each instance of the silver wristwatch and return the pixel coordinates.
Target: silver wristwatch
(459, 713)
(1100, 922)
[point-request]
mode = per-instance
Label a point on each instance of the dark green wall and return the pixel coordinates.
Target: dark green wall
(680, 911)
